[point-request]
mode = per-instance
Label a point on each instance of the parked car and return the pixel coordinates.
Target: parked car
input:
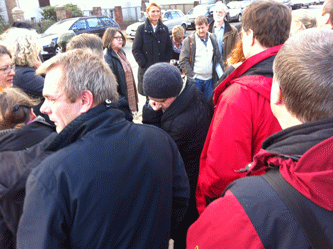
(296, 4)
(171, 18)
(235, 10)
(204, 9)
(91, 24)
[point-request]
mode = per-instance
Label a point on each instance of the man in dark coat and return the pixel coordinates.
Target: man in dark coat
(109, 183)
(151, 45)
(180, 109)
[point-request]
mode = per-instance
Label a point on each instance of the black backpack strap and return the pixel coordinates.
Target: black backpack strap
(298, 207)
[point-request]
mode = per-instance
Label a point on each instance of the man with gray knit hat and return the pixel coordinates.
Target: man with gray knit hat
(178, 107)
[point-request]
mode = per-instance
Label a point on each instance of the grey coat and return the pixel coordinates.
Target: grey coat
(184, 58)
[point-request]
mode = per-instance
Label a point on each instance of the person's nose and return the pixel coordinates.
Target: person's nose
(12, 71)
(45, 109)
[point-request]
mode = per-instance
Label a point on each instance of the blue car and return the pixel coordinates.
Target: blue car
(92, 24)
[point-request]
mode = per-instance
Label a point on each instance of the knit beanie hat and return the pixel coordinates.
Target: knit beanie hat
(162, 81)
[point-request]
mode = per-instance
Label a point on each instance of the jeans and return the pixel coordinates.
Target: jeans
(205, 86)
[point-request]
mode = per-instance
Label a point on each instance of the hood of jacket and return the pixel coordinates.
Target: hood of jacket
(25, 137)
(304, 155)
(255, 72)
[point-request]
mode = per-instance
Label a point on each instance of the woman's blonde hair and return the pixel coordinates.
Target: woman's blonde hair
(23, 45)
(178, 33)
(301, 19)
(153, 4)
(15, 108)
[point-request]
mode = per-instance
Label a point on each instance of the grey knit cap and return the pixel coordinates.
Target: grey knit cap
(162, 80)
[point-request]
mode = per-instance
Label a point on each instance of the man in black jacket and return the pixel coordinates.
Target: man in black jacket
(178, 107)
(109, 183)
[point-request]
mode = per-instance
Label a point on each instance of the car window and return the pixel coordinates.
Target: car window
(79, 25)
(94, 23)
(175, 15)
(108, 22)
(167, 15)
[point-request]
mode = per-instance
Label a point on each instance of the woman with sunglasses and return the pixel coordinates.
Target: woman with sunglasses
(113, 42)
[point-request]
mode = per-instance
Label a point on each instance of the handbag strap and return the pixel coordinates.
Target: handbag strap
(191, 43)
(298, 207)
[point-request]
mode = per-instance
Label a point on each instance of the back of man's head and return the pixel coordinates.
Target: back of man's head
(85, 40)
(269, 20)
(328, 9)
(303, 70)
(83, 70)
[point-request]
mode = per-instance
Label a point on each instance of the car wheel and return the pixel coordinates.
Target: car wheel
(239, 18)
(58, 50)
(184, 26)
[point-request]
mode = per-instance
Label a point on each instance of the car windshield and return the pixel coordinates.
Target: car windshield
(59, 27)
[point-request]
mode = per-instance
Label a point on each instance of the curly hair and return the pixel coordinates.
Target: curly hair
(23, 45)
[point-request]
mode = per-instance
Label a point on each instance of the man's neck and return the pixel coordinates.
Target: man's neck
(219, 24)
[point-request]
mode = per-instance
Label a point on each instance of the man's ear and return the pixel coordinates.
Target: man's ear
(32, 114)
(327, 18)
(251, 35)
(87, 101)
(276, 94)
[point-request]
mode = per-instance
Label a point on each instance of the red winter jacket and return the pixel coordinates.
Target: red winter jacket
(251, 215)
(242, 121)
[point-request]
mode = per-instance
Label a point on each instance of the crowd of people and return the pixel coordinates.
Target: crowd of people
(233, 151)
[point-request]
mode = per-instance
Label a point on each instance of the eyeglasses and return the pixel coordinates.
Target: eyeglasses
(119, 38)
(8, 69)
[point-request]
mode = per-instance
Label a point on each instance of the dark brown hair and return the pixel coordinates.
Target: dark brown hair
(269, 20)
(303, 70)
(15, 108)
(109, 35)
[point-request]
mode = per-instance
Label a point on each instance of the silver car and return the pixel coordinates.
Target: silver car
(171, 18)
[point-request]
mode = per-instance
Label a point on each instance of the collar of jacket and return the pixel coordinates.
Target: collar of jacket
(183, 100)
(29, 134)
(86, 122)
(247, 64)
(149, 28)
(311, 171)
(112, 53)
(227, 27)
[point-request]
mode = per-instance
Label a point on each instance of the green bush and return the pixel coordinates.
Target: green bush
(76, 12)
(49, 13)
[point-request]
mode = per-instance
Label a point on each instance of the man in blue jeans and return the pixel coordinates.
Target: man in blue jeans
(200, 57)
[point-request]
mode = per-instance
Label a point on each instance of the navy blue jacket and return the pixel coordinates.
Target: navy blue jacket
(110, 183)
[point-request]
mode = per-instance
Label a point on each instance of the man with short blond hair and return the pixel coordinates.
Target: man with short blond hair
(107, 183)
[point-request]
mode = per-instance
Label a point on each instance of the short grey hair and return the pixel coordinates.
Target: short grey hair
(303, 69)
(83, 70)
